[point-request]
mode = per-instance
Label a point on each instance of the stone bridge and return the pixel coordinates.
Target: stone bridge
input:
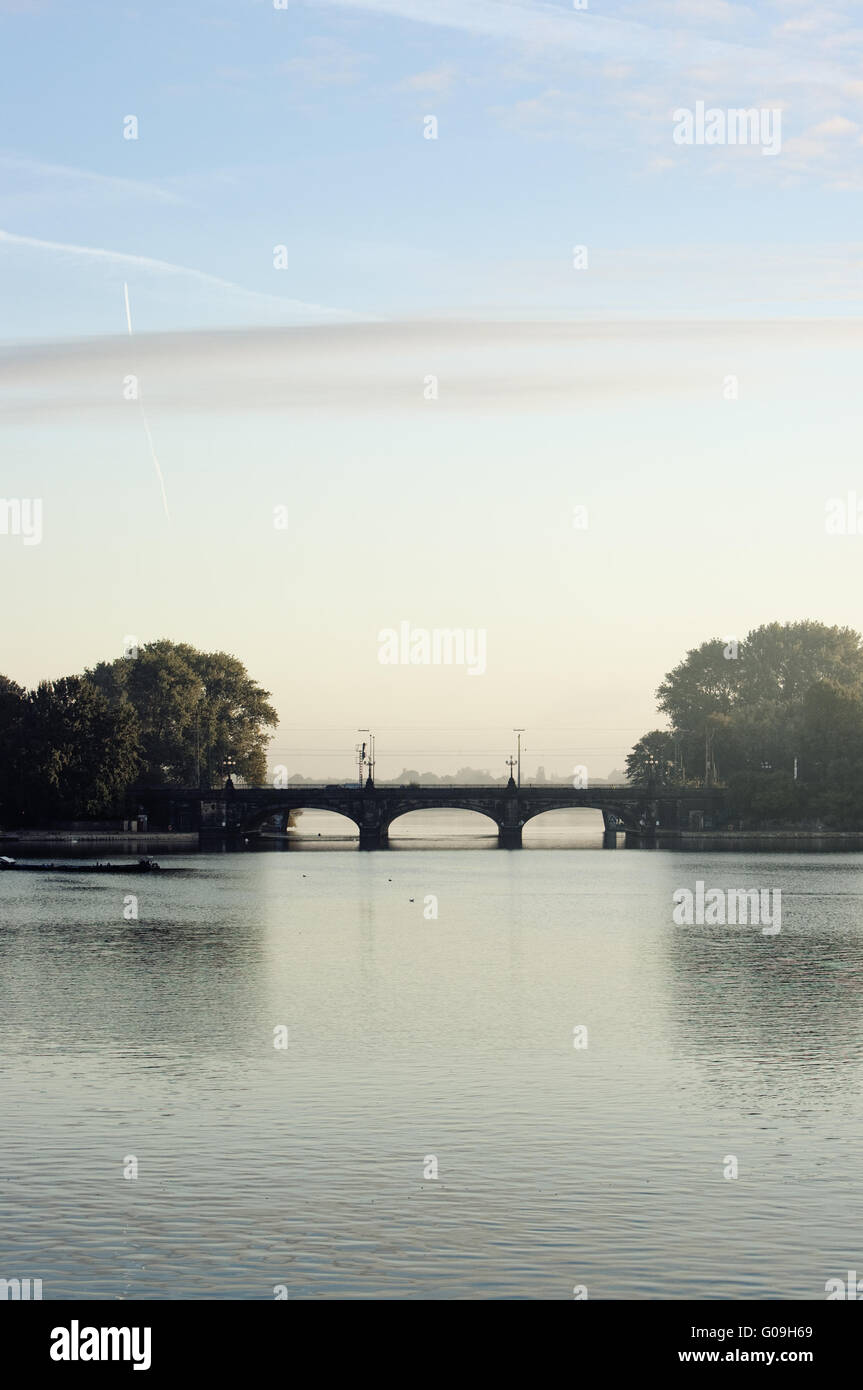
(235, 813)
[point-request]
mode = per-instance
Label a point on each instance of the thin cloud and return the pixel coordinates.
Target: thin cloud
(585, 32)
(836, 125)
(438, 80)
(345, 370)
(326, 63)
(148, 263)
(109, 182)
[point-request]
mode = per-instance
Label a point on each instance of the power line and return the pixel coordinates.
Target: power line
(465, 728)
(442, 752)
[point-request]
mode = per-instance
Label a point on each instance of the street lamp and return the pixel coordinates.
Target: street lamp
(371, 757)
(518, 758)
(198, 698)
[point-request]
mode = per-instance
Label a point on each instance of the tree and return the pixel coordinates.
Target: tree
(652, 758)
(780, 662)
(12, 698)
(768, 797)
(704, 683)
(744, 703)
(12, 706)
(831, 754)
(80, 753)
(236, 714)
(197, 712)
(72, 747)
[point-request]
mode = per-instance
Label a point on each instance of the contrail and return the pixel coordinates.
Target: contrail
(144, 414)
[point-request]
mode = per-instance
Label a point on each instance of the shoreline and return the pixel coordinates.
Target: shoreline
(138, 839)
(787, 840)
(134, 842)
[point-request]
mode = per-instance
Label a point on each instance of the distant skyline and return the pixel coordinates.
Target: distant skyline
(596, 467)
(563, 776)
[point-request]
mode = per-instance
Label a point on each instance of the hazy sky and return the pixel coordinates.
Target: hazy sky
(607, 387)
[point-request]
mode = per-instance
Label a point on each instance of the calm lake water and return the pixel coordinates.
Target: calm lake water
(412, 1038)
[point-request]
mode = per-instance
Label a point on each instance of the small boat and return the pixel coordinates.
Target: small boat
(143, 866)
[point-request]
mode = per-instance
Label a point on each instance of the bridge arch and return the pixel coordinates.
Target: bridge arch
(398, 821)
(259, 815)
(586, 824)
(625, 814)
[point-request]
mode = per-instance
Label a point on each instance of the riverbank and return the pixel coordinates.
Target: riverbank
(789, 841)
(143, 839)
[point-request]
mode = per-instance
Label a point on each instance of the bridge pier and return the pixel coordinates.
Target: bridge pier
(640, 839)
(509, 836)
(611, 825)
(373, 837)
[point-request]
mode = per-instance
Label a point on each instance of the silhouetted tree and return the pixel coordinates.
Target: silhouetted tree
(652, 758)
(196, 711)
(789, 694)
(77, 752)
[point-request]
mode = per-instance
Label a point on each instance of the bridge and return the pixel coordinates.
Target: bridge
(236, 813)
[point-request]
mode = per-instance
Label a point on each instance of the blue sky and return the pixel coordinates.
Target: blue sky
(304, 127)
(407, 257)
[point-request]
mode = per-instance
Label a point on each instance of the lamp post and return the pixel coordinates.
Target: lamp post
(200, 696)
(518, 757)
(371, 758)
(650, 816)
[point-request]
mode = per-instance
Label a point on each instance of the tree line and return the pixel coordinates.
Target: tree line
(776, 719)
(75, 747)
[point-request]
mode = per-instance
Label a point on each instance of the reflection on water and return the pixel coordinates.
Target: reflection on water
(413, 1034)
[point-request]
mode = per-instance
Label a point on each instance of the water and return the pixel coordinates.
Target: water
(411, 1037)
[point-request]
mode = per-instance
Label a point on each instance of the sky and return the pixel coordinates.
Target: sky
(285, 373)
